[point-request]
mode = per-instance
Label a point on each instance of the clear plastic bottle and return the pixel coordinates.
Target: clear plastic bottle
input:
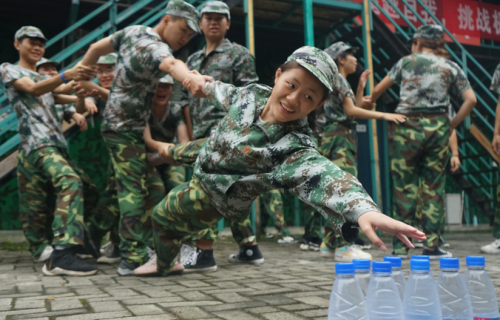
(347, 300)
(362, 273)
(453, 295)
(421, 300)
(397, 274)
(417, 257)
(382, 298)
(482, 294)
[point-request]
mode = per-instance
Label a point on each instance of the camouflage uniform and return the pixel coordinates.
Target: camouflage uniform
(420, 148)
(495, 86)
(42, 158)
(271, 207)
(243, 159)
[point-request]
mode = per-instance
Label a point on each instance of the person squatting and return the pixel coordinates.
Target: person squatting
(242, 139)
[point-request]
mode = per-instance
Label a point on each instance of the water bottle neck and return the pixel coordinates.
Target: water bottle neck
(475, 268)
(362, 271)
(447, 270)
(345, 276)
(420, 272)
(396, 269)
(382, 274)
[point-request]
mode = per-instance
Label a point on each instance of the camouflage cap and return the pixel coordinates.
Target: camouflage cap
(318, 63)
(216, 7)
(336, 49)
(167, 79)
(108, 59)
(429, 32)
(45, 61)
(179, 8)
(30, 32)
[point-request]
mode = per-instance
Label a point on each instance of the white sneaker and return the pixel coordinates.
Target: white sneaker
(45, 254)
(349, 252)
(492, 248)
(105, 247)
(286, 240)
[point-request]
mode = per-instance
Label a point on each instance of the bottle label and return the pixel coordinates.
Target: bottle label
(477, 318)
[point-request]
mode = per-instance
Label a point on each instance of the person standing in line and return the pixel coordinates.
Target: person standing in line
(421, 144)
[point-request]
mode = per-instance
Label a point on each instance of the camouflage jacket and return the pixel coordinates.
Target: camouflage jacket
(64, 112)
(38, 123)
(229, 63)
(495, 82)
(140, 53)
(426, 82)
(164, 129)
(243, 159)
(334, 105)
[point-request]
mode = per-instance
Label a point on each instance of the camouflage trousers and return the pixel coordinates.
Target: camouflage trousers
(271, 207)
(172, 176)
(133, 189)
(339, 144)
(185, 212)
(243, 232)
(496, 222)
(46, 169)
(419, 157)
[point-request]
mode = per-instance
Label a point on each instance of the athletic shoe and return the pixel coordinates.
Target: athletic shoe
(309, 247)
(304, 247)
(436, 253)
(105, 247)
(492, 248)
(286, 240)
(267, 235)
(150, 268)
(349, 252)
(418, 244)
(247, 254)
(445, 245)
(400, 255)
(66, 263)
(361, 244)
(127, 268)
(81, 252)
(201, 260)
(45, 254)
(111, 255)
(326, 252)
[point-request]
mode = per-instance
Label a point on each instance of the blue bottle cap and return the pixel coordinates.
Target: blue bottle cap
(361, 264)
(449, 263)
(420, 265)
(475, 261)
(344, 268)
(395, 261)
(381, 266)
(421, 257)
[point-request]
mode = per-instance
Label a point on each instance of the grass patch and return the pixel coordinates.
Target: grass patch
(11, 246)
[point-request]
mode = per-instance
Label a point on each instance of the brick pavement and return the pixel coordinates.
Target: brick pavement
(290, 285)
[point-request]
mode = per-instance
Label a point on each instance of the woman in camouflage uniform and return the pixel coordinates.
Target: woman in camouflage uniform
(264, 143)
(420, 148)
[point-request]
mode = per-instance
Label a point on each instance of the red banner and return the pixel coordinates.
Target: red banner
(460, 18)
(488, 21)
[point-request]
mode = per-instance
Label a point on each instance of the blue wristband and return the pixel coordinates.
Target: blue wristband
(62, 78)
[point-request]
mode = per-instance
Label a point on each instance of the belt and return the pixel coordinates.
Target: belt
(425, 115)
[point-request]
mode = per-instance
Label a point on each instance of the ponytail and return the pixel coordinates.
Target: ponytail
(437, 47)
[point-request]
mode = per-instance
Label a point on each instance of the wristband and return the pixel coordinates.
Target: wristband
(62, 78)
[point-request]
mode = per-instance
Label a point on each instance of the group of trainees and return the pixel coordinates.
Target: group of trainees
(241, 139)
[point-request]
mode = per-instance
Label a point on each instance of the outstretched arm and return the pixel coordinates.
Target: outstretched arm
(180, 72)
(360, 113)
(381, 87)
(100, 48)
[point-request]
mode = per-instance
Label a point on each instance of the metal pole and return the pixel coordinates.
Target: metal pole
(372, 124)
(249, 25)
(308, 23)
(113, 12)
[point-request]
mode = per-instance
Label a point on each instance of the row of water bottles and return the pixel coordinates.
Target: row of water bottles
(386, 295)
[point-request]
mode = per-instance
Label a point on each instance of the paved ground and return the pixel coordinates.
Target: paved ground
(290, 285)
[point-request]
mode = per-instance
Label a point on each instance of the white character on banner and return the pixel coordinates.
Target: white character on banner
(432, 6)
(483, 20)
(465, 17)
(496, 22)
(408, 13)
(389, 9)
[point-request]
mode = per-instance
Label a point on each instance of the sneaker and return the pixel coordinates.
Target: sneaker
(400, 255)
(326, 252)
(111, 255)
(45, 255)
(349, 252)
(309, 247)
(150, 268)
(304, 247)
(362, 244)
(201, 260)
(127, 268)
(286, 240)
(436, 253)
(492, 248)
(82, 253)
(445, 245)
(247, 254)
(105, 246)
(267, 235)
(66, 263)
(418, 244)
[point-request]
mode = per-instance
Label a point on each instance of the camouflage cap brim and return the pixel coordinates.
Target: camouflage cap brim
(46, 61)
(192, 24)
(167, 79)
(429, 32)
(29, 32)
(179, 8)
(216, 7)
(108, 59)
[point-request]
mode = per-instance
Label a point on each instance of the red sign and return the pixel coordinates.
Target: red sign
(488, 21)
(460, 18)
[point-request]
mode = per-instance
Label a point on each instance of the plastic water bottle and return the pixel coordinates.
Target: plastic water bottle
(362, 273)
(397, 274)
(347, 300)
(421, 300)
(382, 298)
(417, 257)
(482, 294)
(453, 295)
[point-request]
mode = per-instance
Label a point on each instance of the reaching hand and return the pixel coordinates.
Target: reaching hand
(371, 221)
(455, 163)
(163, 152)
(397, 118)
(80, 121)
(368, 103)
(90, 107)
(80, 72)
(496, 144)
(196, 84)
(363, 78)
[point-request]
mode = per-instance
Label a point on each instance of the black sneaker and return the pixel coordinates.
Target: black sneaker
(436, 253)
(66, 263)
(201, 260)
(111, 255)
(250, 255)
(127, 268)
